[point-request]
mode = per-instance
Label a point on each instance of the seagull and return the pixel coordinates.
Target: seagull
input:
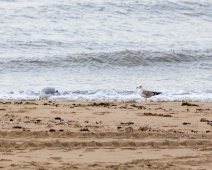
(146, 93)
(47, 92)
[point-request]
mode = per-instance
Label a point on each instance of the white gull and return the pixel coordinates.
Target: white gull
(146, 93)
(47, 92)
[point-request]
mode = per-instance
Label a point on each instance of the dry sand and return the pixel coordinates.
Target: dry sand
(102, 135)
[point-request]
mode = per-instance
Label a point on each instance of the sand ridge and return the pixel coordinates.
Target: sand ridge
(105, 135)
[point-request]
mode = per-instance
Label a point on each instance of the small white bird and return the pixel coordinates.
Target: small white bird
(146, 93)
(47, 92)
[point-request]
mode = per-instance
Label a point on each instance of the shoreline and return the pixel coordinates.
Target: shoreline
(127, 135)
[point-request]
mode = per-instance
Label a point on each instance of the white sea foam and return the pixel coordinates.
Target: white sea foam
(113, 95)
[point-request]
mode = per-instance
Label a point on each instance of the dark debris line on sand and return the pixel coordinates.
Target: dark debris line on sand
(188, 104)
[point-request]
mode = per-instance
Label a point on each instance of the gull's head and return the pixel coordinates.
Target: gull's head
(139, 87)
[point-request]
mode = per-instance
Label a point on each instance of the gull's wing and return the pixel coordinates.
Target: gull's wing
(148, 93)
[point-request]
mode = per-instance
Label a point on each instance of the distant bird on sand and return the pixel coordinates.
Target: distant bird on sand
(146, 93)
(47, 92)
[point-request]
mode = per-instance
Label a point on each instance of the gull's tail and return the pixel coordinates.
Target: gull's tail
(157, 93)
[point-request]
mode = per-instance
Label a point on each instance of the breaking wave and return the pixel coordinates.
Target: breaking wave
(120, 59)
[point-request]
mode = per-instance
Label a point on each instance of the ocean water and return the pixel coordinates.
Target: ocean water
(104, 49)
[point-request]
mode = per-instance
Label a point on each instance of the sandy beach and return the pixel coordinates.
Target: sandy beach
(105, 135)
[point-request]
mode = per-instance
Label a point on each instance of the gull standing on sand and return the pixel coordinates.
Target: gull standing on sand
(146, 93)
(47, 92)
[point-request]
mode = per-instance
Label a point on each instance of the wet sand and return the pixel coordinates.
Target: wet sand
(105, 135)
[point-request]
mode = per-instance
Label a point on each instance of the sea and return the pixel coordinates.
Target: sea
(104, 49)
